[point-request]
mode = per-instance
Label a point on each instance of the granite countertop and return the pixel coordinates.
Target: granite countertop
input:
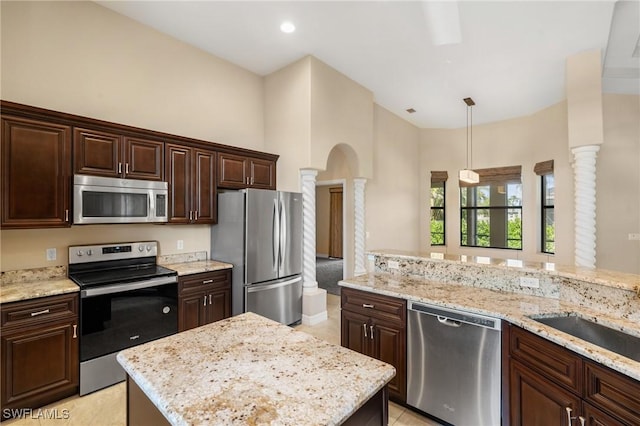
(33, 283)
(250, 370)
(597, 276)
(198, 266)
(515, 308)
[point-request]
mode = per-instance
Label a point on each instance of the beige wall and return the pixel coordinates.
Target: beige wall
(322, 219)
(584, 98)
(522, 141)
(392, 196)
(618, 185)
(81, 58)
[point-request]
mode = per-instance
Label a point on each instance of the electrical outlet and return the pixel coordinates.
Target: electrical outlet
(529, 282)
(180, 244)
(634, 237)
(393, 264)
(51, 254)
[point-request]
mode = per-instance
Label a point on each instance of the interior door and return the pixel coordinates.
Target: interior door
(262, 235)
(335, 222)
(290, 233)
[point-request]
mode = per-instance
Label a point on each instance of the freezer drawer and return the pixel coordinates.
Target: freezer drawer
(279, 300)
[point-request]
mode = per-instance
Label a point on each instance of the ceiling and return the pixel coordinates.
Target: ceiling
(509, 56)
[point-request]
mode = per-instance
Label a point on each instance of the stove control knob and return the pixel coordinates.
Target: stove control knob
(79, 253)
(141, 248)
(89, 252)
(148, 247)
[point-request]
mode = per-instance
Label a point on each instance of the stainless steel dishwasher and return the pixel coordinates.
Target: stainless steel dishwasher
(453, 365)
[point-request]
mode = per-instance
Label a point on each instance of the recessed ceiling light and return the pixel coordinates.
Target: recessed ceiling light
(410, 110)
(287, 27)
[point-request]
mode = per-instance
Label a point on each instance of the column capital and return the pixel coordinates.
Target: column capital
(359, 181)
(308, 174)
(585, 148)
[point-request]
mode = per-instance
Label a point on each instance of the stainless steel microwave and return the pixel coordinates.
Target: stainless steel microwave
(113, 200)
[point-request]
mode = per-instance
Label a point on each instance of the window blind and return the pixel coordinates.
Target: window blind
(543, 168)
(496, 175)
(439, 176)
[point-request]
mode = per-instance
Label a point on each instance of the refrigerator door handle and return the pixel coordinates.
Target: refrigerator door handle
(275, 249)
(259, 287)
(283, 234)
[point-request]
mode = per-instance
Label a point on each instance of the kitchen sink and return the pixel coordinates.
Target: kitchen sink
(616, 341)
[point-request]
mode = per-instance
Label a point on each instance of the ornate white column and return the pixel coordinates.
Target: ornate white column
(359, 236)
(314, 299)
(584, 168)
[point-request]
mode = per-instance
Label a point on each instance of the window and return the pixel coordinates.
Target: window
(437, 222)
(545, 171)
(491, 210)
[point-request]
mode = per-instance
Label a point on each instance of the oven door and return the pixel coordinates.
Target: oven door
(117, 317)
(111, 200)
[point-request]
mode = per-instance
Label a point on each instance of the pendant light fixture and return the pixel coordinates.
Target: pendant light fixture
(468, 175)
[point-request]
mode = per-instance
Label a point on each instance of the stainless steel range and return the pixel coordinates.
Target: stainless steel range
(125, 299)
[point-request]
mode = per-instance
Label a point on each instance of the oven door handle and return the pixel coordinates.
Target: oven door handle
(136, 285)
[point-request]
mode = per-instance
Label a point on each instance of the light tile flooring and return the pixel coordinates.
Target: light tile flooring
(107, 407)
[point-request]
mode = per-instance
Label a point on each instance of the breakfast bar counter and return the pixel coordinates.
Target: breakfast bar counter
(251, 370)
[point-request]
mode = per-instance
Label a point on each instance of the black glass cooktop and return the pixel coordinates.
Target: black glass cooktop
(100, 277)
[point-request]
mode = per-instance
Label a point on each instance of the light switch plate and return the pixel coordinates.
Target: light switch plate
(634, 237)
(180, 244)
(393, 264)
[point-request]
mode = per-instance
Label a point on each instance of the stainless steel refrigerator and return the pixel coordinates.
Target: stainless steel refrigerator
(260, 232)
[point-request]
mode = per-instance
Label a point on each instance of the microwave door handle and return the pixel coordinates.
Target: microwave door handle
(152, 206)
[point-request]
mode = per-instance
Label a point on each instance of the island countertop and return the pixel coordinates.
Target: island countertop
(250, 370)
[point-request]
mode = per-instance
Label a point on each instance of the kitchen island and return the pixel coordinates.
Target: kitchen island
(251, 370)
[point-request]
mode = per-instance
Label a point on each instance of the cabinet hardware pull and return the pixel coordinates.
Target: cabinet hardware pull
(195, 215)
(210, 299)
(207, 281)
(34, 314)
(364, 326)
(126, 168)
(251, 180)
(205, 300)
(247, 179)
(66, 215)
(75, 331)
(119, 168)
(569, 418)
(582, 420)
(371, 330)
(368, 305)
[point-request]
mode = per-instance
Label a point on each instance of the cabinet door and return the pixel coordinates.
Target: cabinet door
(389, 345)
(219, 306)
(595, 417)
(39, 364)
(262, 174)
(232, 171)
(97, 153)
(179, 177)
(612, 391)
(192, 311)
(536, 401)
(204, 187)
(143, 159)
(355, 332)
(36, 169)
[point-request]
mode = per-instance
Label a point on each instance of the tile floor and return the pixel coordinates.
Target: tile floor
(107, 407)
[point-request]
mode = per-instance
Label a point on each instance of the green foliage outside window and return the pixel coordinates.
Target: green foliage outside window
(437, 213)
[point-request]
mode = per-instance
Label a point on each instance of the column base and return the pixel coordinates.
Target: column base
(314, 306)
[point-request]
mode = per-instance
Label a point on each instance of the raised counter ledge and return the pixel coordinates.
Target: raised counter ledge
(512, 307)
(28, 284)
(250, 370)
(198, 266)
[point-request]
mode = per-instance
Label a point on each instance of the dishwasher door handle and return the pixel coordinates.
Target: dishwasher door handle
(449, 322)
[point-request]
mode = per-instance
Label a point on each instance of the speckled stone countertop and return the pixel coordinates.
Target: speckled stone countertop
(597, 276)
(192, 263)
(33, 283)
(250, 370)
(515, 308)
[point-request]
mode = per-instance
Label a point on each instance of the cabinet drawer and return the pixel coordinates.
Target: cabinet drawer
(548, 358)
(612, 391)
(26, 313)
(374, 305)
(196, 282)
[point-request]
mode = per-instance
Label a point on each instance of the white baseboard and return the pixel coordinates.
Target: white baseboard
(326, 255)
(314, 319)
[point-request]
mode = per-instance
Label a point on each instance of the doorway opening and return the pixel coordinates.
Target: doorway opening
(330, 236)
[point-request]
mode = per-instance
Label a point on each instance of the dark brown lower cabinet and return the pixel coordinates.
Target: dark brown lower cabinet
(375, 325)
(547, 379)
(40, 359)
(203, 298)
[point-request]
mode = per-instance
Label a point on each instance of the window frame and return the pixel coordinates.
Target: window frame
(544, 207)
(442, 209)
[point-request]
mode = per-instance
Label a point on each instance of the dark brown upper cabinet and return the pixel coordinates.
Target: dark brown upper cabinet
(239, 171)
(107, 154)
